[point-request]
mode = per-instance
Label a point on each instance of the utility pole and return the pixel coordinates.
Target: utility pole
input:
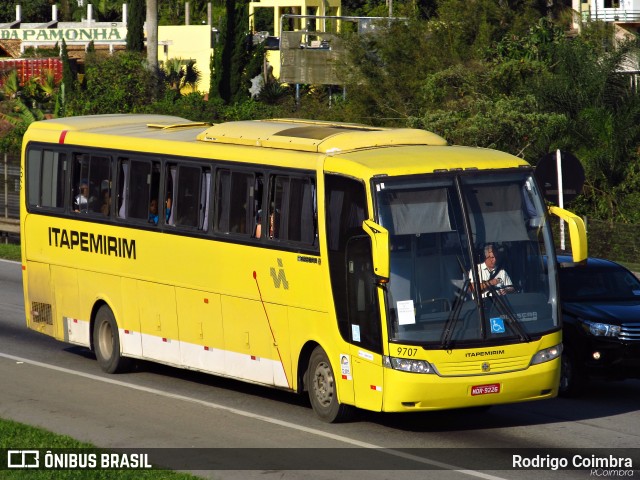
(152, 35)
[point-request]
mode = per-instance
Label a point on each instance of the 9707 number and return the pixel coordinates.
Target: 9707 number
(407, 352)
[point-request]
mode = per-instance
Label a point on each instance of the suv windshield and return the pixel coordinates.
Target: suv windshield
(581, 283)
(442, 224)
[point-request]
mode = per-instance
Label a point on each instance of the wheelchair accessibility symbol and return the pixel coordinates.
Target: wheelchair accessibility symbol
(497, 325)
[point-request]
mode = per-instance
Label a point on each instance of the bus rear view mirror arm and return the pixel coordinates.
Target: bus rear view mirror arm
(577, 232)
(380, 249)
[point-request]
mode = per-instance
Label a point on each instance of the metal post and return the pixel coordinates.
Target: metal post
(6, 186)
(560, 196)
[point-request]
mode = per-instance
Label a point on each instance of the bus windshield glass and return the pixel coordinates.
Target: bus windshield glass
(440, 226)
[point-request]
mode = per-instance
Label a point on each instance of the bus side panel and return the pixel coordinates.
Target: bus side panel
(159, 322)
(201, 332)
(128, 318)
(92, 287)
(368, 378)
(281, 344)
(40, 307)
(319, 327)
(76, 326)
(248, 342)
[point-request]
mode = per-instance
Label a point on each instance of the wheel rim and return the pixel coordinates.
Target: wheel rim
(323, 384)
(105, 340)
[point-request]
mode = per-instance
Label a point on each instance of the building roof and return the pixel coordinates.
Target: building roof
(10, 48)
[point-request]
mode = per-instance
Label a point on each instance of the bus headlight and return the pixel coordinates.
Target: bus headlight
(408, 365)
(598, 329)
(547, 354)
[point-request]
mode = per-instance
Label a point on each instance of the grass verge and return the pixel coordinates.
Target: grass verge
(10, 251)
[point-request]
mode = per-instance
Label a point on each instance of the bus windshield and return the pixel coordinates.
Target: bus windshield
(440, 226)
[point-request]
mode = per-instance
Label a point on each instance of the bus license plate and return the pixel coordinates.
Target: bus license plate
(485, 389)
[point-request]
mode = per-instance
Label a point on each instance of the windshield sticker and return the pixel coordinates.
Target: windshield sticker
(524, 316)
(406, 312)
(355, 333)
(345, 366)
(497, 325)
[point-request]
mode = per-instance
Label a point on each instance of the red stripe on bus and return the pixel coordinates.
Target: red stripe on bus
(62, 136)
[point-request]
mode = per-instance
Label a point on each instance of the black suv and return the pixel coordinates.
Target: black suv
(601, 330)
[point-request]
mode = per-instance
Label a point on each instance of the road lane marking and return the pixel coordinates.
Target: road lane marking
(255, 416)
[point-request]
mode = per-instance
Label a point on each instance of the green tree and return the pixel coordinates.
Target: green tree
(588, 84)
(118, 83)
(68, 84)
(232, 55)
(135, 26)
(17, 111)
(32, 11)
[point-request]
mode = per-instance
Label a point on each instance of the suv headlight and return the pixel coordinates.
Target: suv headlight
(408, 365)
(547, 354)
(598, 329)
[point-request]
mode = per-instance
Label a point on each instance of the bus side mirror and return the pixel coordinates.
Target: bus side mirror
(380, 249)
(577, 232)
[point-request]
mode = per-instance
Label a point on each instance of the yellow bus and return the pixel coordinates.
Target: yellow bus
(328, 258)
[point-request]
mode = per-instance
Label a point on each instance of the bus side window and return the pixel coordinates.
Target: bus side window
(46, 170)
(292, 211)
(122, 183)
(235, 202)
(191, 201)
(80, 189)
(140, 190)
(99, 183)
(91, 175)
(169, 188)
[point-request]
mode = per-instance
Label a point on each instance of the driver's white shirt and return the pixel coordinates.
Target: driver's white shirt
(484, 274)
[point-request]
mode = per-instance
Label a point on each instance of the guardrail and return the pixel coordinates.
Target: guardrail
(9, 227)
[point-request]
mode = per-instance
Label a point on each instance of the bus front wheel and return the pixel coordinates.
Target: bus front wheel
(323, 393)
(106, 343)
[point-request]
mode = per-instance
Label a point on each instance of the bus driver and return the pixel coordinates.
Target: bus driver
(492, 277)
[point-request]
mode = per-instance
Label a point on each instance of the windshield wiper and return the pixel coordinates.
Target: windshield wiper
(452, 319)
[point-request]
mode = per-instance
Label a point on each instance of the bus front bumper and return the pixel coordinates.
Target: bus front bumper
(405, 392)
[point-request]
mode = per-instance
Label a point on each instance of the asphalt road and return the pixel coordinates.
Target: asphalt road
(50, 384)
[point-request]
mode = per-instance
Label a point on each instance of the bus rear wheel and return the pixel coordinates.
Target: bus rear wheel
(323, 393)
(106, 343)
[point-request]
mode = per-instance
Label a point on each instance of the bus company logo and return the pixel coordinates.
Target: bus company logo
(486, 353)
(23, 459)
(279, 278)
(486, 366)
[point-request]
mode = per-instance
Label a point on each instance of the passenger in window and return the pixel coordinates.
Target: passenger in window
(168, 209)
(81, 201)
(106, 202)
(273, 225)
(153, 211)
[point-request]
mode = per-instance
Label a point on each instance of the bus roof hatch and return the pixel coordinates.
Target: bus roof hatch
(314, 136)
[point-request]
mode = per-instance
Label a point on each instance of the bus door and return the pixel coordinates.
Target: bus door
(364, 324)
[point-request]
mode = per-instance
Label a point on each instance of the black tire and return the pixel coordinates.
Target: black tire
(106, 343)
(572, 377)
(322, 389)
